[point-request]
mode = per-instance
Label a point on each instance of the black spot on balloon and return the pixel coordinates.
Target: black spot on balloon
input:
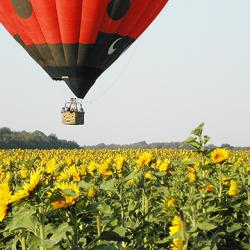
(23, 8)
(117, 9)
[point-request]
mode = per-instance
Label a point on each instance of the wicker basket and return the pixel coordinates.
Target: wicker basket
(73, 118)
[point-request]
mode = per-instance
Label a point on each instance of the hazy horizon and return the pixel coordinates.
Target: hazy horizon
(191, 66)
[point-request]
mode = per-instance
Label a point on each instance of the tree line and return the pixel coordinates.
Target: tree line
(34, 140)
(159, 145)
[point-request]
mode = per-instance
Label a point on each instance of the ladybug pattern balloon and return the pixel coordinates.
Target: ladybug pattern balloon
(77, 40)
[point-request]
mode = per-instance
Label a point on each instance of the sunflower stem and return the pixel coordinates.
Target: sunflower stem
(75, 226)
(41, 226)
(98, 225)
(220, 183)
(23, 242)
(122, 208)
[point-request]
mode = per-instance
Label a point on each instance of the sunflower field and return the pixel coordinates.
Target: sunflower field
(125, 199)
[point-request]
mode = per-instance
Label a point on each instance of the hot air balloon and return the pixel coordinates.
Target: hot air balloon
(77, 40)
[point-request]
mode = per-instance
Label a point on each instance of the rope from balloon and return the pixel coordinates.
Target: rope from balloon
(115, 81)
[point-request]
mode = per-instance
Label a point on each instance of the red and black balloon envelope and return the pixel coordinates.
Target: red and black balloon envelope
(77, 40)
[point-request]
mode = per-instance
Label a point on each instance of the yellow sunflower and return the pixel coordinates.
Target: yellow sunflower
(68, 200)
(191, 177)
(103, 169)
(131, 182)
(233, 189)
(177, 226)
(164, 166)
(74, 173)
(119, 162)
(219, 155)
(225, 180)
(91, 192)
(144, 159)
(209, 188)
(51, 166)
(170, 202)
(4, 199)
(177, 244)
(19, 195)
(148, 175)
(1, 174)
(27, 188)
(34, 181)
(92, 167)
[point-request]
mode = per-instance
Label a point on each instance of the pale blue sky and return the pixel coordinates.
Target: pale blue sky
(191, 65)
